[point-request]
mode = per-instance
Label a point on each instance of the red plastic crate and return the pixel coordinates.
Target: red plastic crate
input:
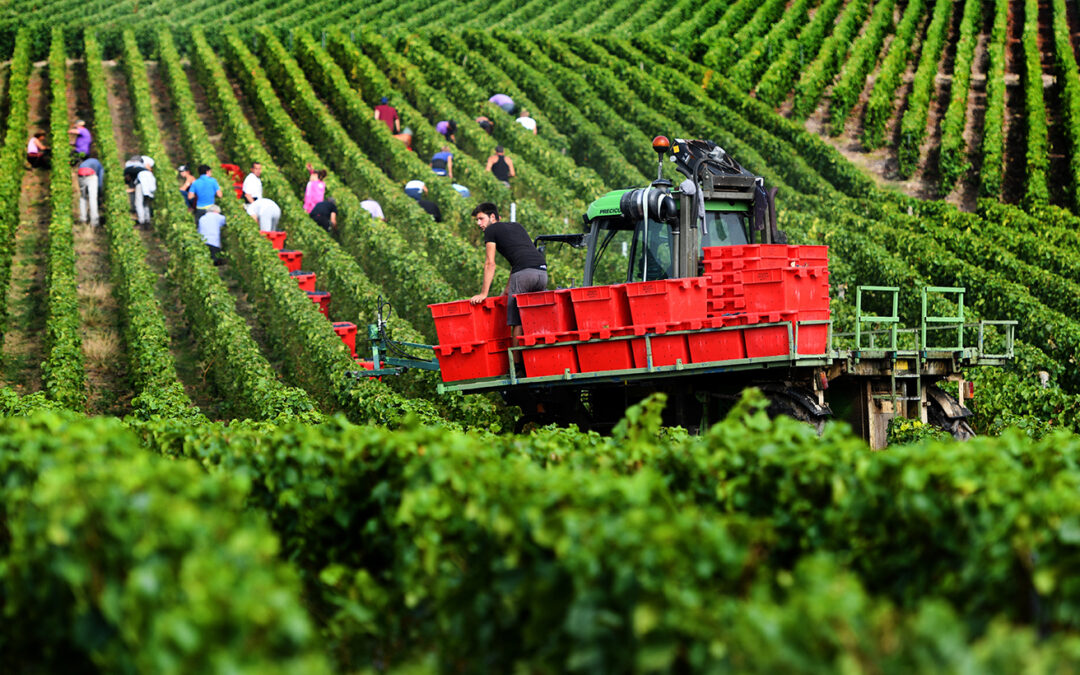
(792, 288)
(769, 340)
(546, 312)
(666, 301)
(666, 349)
(460, 321)
(367, 365)
(473, 360)
(347, 332)
(277, 239)
(306, 280)
(603, 353)
(322, 299)
(547, 361)
(706, 347)
(239, 189)
(600, 307)
(292, 259)
(719, 306)
(725, 290)
(233, 171)
(812, 255)
(813, 339)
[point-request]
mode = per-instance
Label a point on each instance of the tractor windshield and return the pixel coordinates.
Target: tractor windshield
(621, 253)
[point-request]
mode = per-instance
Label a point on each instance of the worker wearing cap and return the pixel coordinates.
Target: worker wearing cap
(184, 174)
(528, 267)
(384, 112)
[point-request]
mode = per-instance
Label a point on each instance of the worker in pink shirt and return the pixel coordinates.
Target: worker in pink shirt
(316, 188)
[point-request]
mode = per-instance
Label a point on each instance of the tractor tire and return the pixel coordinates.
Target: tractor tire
(945, 412)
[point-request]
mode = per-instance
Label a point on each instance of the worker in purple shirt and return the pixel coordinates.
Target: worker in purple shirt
(503, 101)
(81, 142)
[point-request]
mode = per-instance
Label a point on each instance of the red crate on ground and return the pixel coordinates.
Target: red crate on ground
(306, 280)
(545, 361)
(460, 321)
(347, 332)
(666, 349)
(603, 353)
(666, 301)
(600, 307)
(473, 360)
(322, 300)
(813, 339)
(727, 345)
(292, 259)
(239, 189)
(277, 239)
(546, 312)
(233, 171)
(764, 341)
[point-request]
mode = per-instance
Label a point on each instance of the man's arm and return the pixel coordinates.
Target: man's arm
(491, 162)
(450, 167)
(510, 165)
(489, 273)
(333, 218)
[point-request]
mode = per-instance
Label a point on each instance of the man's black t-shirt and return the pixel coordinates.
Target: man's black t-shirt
(431, 207)
(320, 213)
(513, 243)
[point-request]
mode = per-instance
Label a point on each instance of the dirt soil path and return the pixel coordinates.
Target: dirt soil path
(192, 374)
(108, 391)
(1012, 180)
(24, 339)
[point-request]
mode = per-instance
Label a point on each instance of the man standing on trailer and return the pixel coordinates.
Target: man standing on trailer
(528, 267)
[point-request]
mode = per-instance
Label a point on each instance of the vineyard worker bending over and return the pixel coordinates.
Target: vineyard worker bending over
(442, 162)
(204, 191)
(253, 183)
(504, 102)
(185, 185)
(527, 122)
(145, 189)
(528, 267)
(37, 153)
(88, 193)
(210, 225)
(266, 213)
(384, 112)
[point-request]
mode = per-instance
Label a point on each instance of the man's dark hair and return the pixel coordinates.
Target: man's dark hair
(203, 169)
(488, 208)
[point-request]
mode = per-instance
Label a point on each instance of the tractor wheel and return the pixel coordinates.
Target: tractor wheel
(798, 405)
(945, 412)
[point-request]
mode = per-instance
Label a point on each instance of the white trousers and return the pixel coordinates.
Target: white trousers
(88, 198)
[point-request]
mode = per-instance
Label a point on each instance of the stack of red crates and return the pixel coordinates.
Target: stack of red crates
(771, 283)
(744, 306)
(473, 339)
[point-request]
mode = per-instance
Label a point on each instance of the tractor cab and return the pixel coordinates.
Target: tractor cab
(658, 232)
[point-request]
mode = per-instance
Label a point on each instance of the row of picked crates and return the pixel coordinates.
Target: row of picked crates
(293, 261)
(744, 306)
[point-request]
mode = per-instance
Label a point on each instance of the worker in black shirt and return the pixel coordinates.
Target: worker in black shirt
(528, 267)
(431, 207)
(325, 214)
